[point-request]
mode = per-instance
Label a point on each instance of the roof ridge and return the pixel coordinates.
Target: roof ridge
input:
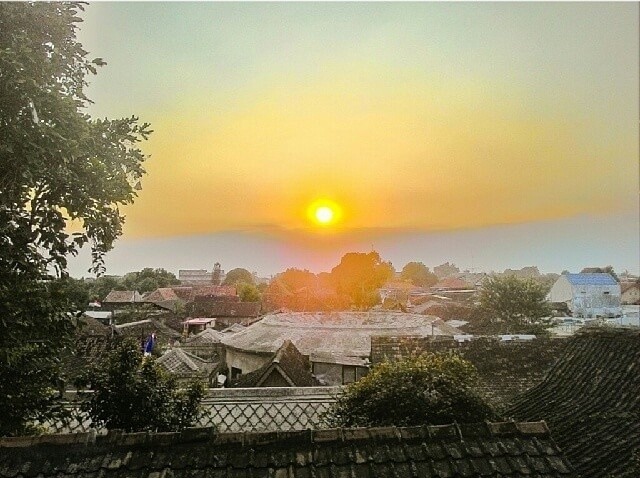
(451, 432)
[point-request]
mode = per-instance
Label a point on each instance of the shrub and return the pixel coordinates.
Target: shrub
(431, 389)
(132, 393)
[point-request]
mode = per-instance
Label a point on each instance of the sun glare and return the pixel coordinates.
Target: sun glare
(324, 212)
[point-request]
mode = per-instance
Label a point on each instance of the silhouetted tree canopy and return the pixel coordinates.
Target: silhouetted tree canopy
(418, 274)
(359, 275)
(235, 276)
(57, 165)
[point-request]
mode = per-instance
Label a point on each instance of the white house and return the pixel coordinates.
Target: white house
(588, 294)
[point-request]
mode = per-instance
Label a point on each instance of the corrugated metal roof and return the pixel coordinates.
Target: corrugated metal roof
(593, 278)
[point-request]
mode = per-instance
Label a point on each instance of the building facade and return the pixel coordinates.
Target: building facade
(588, 294)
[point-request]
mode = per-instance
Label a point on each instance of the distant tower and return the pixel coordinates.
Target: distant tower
(217, 272)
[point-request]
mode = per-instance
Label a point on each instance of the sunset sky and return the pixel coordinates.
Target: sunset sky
(491, 135)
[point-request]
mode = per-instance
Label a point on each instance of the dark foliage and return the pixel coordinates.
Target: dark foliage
(131, 392)
(431, 389)
(57, 165)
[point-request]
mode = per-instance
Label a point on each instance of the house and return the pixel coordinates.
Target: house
(186, 367)
(588, 294)
(507, 449)
(452, 284)
(287, 368)
(226, 312)
(590, 401)
(398, 290)
(630, 293)
(207, 344)
(201, 276)
(121, 299)
(165, 298)
(141, 329)
(338, 344)
(197, 325)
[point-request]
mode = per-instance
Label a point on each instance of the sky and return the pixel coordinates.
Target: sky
(491, 135)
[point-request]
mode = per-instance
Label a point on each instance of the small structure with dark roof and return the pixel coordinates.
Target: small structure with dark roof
(225, 312)
(287, 368)
(186, 366)
(120, 299)
(207, 344)
(507, 450)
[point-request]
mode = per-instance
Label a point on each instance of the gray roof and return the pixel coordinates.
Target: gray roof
(345, 334)
(122, 297)
(494, 449)
(207, 336)
(592, 278)
(180, 362)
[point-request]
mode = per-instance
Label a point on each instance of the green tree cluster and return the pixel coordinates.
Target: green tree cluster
(359, 276)
(418, 274)
(57, 166)
(237, 276)
(130, 392)
(148, 280)
(430, 389)
(512, 300)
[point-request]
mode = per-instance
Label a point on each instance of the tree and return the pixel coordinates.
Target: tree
(76, 290)
(359, 275)
(132, 393)
(100, 288)
(513, 300)
(57, 165)
(431, 389)
(248, 292)
(235, 276)
(445, 270)
(418, 274)
(148, 280)
(601, 270)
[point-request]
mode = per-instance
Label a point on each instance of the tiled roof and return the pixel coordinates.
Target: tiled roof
(505, 368)
(591, 401)
(142, 328)
(494, 449)
(338, 333)
(226, 309)
(91, 327)
(179, 362)
(233, 328)
(292, 366)
(207, 336)
(214, 290)
(452, 283)
(160, 295)
(122, 297)
(625, 286)
(593, 278)
(183, 293)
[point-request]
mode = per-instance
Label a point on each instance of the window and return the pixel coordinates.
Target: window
(348, 374)
(235, 372)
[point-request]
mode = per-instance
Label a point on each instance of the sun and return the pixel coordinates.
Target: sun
(324, 212)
